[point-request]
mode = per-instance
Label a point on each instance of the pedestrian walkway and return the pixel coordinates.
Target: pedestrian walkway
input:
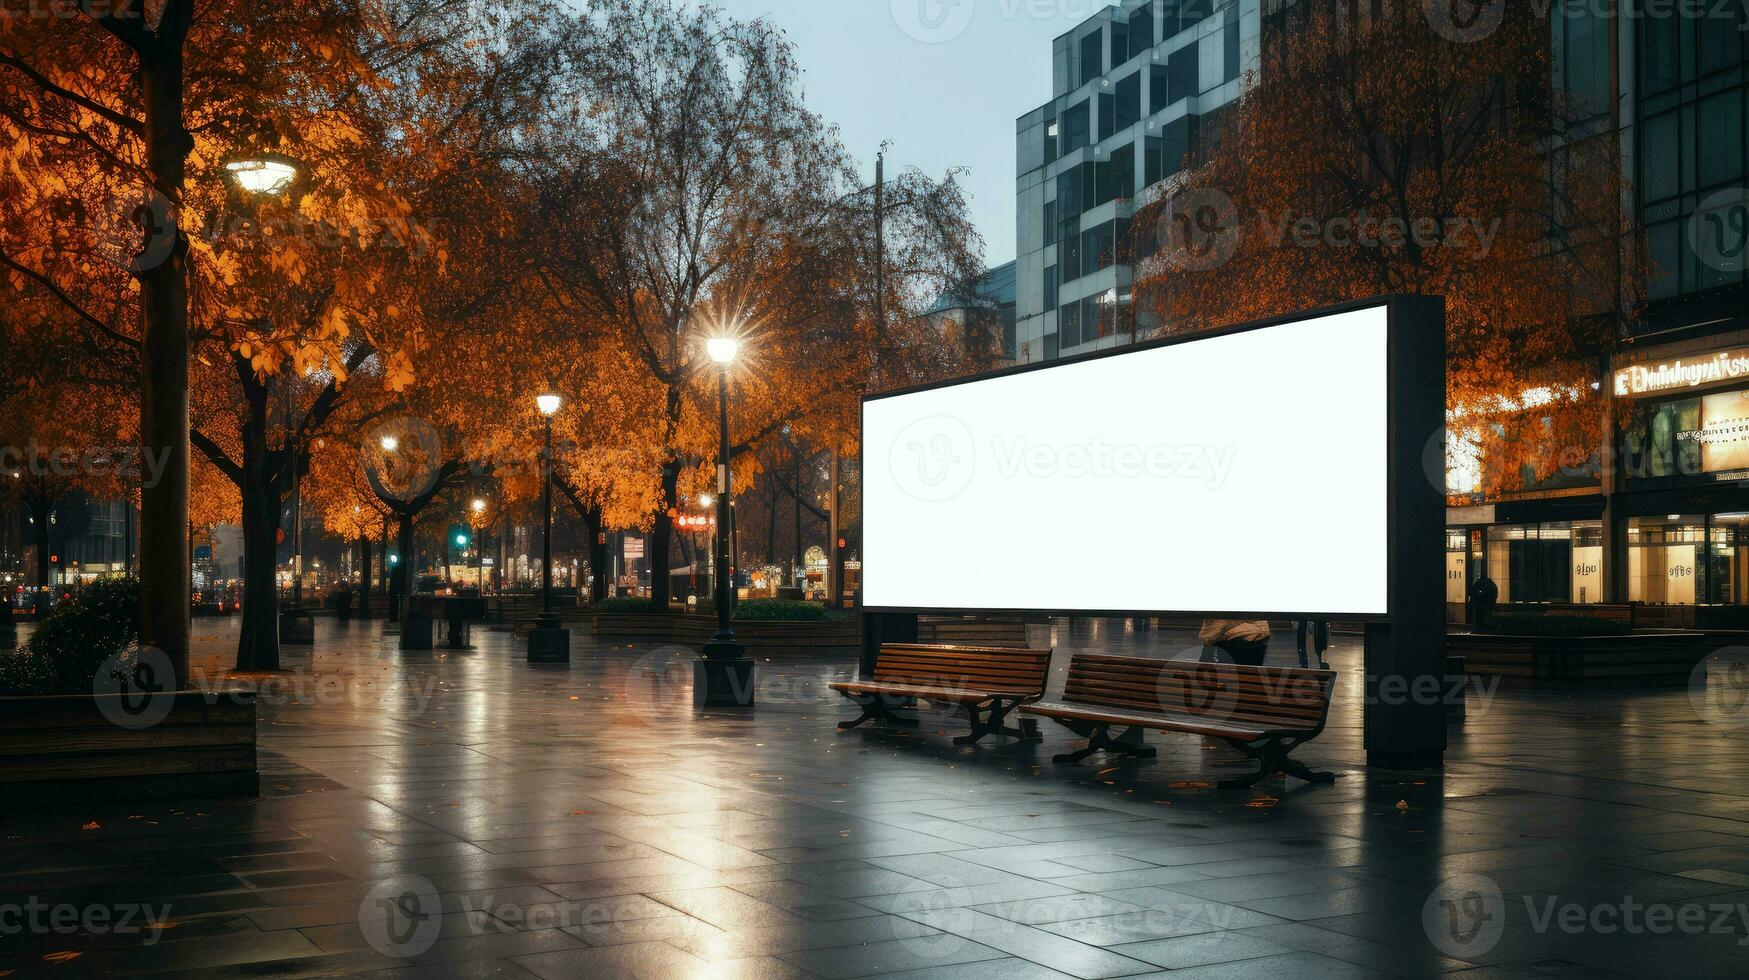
(465, 814)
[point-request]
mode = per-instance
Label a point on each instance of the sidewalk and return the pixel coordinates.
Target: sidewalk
(588, 822)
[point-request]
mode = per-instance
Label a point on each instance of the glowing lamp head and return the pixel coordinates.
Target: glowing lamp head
(479, 506)
(549, 404)
(389, 444)
(706, 500)
(272, 177)
(723, 349)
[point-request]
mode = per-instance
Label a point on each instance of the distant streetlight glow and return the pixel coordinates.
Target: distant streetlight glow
(262, 176)
(549, 404)
(723, 349)
(390, 444)
(479, 506)
(706, 500)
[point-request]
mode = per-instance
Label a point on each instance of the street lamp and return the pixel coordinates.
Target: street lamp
(724, 676)
(547, 642)
(272, 175)
(267, 174)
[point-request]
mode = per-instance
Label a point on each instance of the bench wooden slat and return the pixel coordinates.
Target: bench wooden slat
(1263, 711)
(989, 682)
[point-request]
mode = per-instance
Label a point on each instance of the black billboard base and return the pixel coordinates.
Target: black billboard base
(879, 628)
(722, 681)
(1406, 761)
(548, 642)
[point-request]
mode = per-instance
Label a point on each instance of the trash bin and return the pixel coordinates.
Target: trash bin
(297, 627)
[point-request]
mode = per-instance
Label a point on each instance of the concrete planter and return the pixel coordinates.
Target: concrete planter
(760, 637)
(85, 748)
(1647, 659)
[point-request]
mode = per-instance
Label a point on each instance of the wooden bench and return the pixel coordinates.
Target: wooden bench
(1264, 712)
(989, 682)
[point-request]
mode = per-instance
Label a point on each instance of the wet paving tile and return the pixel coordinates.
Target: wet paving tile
(584, 821)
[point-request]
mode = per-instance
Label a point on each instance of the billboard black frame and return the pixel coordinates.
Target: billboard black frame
(1415, 345)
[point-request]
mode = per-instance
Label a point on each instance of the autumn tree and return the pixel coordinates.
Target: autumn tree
(699, 195)
(1339, 174)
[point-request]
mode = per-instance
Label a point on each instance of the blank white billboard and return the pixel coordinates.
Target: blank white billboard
(1237, 473)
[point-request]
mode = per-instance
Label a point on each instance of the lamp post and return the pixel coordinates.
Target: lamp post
(259, 176)
(548, 643)
(724, 676)
(479, 509)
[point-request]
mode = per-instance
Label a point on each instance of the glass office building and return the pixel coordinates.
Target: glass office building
(1135, 87)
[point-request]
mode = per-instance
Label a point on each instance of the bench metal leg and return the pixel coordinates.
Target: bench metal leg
(1272, 757)
(876, 706)
(1128, 744)
(992, 723)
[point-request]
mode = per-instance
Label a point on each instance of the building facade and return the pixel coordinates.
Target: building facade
(1660, 514)
(1134, 88)
(987, 316)
(1659, 511)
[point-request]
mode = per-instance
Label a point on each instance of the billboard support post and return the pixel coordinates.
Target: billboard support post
(879, 628)
(1404, 658)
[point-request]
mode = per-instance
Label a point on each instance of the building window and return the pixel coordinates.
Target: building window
(1069, 326)
(1092, 65)
(1069, 200)
(1663, 558)
(1076, 133)
(1120, 43)
(1107, 115)
(1181, 74)
(1158, 89)
(1050, 223)
(1129, 100)
(1230, 52)
(1123, 171)
(1721, 138)
(1559, 561)
(1142, 36)
(1051, 288)
(1660, 53)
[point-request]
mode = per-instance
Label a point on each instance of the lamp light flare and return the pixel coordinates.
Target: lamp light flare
(479, 505)
(390, 444)
(549, 404)
(262, 176)
(723, 349)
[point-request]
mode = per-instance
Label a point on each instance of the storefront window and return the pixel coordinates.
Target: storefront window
(1457, 581)
(1559, 561)
(1663, 558)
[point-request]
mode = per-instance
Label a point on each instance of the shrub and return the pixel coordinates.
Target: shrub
(623, 604)
(785, 610)
(74, 639)
(1532, 624)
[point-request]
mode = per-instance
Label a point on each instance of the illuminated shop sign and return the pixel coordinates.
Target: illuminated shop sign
(1643, 379)
(1691, 436)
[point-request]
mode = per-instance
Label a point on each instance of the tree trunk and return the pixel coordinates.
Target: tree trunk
(363, 577)
(403, 575)
(662, 537)
(258, 637)
(39, 524)
(600, 563)
(162, 270)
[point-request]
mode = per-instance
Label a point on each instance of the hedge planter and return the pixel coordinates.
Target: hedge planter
(1646, 659)
(84, 748)
(760, 637)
